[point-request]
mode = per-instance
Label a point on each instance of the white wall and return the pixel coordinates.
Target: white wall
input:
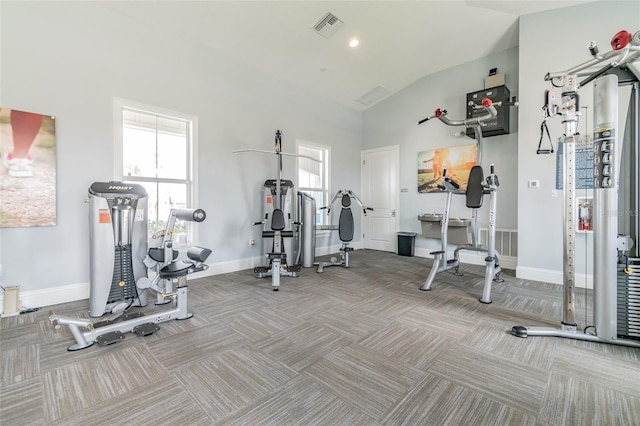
(549, 41)
(394, 121)
(70, 59)
(555, 41)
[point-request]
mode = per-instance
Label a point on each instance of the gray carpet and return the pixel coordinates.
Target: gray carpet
(357, 346)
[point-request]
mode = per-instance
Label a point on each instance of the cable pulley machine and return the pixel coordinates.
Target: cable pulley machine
(278, 221)
(616, 267)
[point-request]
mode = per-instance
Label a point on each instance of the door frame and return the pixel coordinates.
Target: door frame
(395, 151)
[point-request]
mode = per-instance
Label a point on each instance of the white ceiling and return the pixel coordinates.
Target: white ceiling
(400, 41)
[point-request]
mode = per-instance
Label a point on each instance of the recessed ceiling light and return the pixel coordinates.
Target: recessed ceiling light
(354, 42)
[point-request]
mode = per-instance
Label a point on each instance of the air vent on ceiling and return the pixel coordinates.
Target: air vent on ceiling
(373, 96)
(328, 25)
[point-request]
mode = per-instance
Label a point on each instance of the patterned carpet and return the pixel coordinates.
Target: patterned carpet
(357, 346)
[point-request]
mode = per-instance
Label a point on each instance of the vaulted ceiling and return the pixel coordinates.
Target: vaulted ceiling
(400, 41)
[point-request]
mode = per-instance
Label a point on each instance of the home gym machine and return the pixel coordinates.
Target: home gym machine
(117, 245)
(616, 263)
(278, 225)
(477, 187)
(118, 270)
(345, 227)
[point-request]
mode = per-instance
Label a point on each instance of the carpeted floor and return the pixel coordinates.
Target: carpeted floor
(357, 346)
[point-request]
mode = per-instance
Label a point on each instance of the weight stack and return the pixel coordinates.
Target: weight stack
(629, 300)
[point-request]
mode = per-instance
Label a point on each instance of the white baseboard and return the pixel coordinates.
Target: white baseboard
(335, 248)
(52, 296)
(472, 258)
(552, 276)
(74, 292)
(80, 291)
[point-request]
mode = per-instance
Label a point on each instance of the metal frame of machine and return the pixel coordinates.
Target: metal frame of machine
(441, 262)
(613, 281)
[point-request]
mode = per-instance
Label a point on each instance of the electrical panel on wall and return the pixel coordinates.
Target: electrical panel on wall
(500, 124)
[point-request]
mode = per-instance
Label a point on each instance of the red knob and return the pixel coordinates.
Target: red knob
(621, 40)
(438, 112)
(486, 102)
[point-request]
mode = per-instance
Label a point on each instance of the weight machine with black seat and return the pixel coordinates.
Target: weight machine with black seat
(278, 222)
(477, 187)
(345, 227)
(109, 226)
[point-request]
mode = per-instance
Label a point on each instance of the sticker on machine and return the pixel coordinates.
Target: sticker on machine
(139, 215)
(104, 216)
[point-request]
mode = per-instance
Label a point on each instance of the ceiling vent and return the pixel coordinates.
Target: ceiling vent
(328, 25)
(373, 96)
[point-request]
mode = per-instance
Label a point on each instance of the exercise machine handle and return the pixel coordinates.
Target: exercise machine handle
(452, 182)
(263, 221)
(437, 114)
(191, 215)
(364, 210)
(492, 179)
(449, 181)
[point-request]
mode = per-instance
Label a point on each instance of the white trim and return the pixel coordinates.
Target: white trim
(74, 292)
(472, 258)
(552, 276)
(118, 105)
(52, 296)
(327, 169)
(396, 150)
(508, 262)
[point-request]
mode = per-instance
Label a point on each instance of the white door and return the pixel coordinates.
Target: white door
(380, 183)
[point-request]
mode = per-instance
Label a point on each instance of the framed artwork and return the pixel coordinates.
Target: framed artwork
(28, 171)
(457, 161)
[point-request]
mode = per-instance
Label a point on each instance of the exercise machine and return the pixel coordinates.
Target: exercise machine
(345, 227)
(616, 262)
(166, 271)
(477, 187)
(117, 245)
(279, 226)
(278, 232)
(474, 194)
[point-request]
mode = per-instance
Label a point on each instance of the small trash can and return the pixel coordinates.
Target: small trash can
(406, 243)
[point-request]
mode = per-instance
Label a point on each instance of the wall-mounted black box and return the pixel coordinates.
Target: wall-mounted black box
(500, 124)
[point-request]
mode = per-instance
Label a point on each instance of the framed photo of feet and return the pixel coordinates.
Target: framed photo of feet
(28, 171)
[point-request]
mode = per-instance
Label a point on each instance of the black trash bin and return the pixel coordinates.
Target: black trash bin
(406, 243)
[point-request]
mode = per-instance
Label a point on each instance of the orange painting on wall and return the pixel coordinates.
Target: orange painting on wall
(456, 162)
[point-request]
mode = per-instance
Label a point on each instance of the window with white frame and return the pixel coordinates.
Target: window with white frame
(156, 150)
(313, 176)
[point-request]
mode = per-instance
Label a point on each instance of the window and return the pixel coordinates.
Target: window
(313, 176)
(155, 149)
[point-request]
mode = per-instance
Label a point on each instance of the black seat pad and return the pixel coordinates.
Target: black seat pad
(157, 254)
(176, 269)
(277, 220)
(345, 225)
(475, 190)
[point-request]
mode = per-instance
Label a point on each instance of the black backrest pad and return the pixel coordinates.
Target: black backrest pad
(474, 188)
(345, 225)
(277, 220)
(346, 201)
